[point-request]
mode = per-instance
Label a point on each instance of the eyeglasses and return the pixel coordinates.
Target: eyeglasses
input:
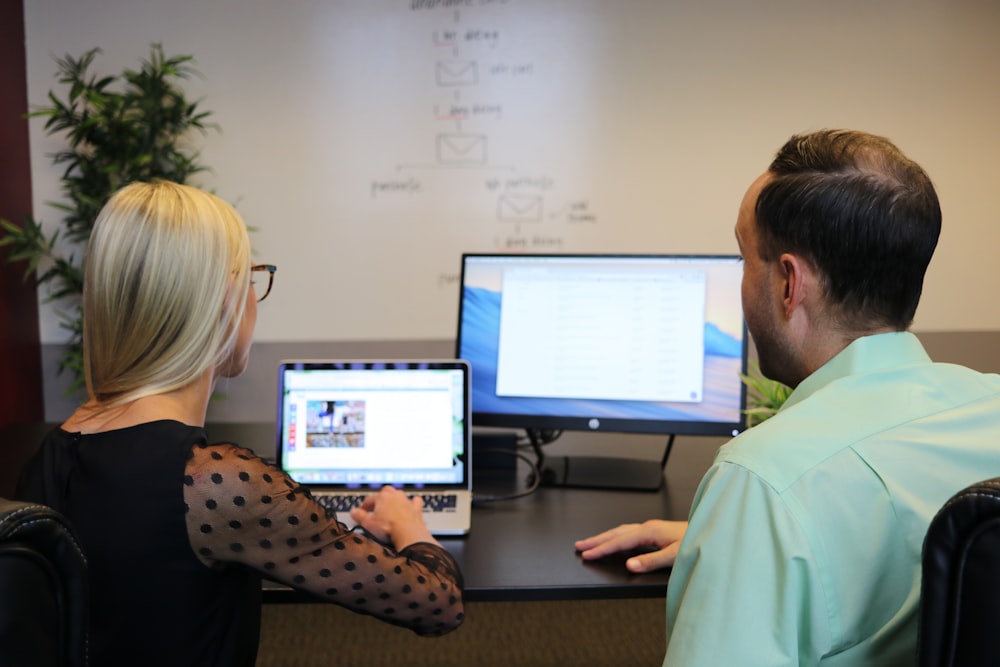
(260, 289)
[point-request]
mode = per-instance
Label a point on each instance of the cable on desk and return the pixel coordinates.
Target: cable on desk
(535, 478)
(536, 437)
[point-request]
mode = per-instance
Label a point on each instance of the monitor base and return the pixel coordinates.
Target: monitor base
(602, 472)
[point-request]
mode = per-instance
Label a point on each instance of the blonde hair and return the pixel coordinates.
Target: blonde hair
(165, 286)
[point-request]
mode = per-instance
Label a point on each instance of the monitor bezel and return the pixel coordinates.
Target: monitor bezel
(605, 425)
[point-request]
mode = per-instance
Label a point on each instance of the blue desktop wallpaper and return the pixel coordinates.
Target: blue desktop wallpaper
(479, 346)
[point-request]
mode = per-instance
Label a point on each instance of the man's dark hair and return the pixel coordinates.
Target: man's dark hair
(862, 213)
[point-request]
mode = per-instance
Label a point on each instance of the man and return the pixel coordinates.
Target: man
(804, 540)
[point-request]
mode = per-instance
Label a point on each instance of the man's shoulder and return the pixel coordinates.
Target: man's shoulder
(778, 450)
(858, 408)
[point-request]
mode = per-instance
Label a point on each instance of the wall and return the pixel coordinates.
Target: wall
(371, 143)
(20, 354)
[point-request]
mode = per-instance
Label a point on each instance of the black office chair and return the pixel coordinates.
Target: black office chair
(960, 598)
(43, 589)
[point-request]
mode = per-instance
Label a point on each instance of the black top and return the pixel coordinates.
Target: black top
(178, 532)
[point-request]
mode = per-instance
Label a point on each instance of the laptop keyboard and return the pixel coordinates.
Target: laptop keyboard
(433, 502)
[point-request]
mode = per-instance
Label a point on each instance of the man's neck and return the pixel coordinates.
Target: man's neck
(823, 348)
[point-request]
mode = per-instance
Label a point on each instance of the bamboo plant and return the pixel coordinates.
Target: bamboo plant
(119, 129)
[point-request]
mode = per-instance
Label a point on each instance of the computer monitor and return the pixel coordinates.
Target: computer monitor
(649, 344)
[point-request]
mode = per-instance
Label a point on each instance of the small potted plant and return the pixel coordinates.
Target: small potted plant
(765, 396)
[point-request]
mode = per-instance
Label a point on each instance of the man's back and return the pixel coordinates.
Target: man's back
(805, 537)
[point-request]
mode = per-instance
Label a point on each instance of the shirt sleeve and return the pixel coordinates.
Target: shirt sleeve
(744, 589)
(242, 510)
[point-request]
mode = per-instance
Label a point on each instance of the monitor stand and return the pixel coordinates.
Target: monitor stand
(600, 472)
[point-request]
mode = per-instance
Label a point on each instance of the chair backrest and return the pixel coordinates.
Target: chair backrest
(44, 594)
(960, 597)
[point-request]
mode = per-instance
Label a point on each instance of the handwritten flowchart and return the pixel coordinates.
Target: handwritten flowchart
(527, 212)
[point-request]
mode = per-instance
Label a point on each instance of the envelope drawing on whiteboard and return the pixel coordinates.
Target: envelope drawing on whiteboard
(462, 73)
(461, 148)
(520, 208)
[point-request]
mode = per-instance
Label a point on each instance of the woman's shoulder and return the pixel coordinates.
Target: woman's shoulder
(223, 462)
(226, 450)
(167, 428)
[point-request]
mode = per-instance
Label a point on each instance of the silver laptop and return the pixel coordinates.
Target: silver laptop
(347, 428)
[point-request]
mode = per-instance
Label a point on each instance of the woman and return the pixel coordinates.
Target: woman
(179, 532)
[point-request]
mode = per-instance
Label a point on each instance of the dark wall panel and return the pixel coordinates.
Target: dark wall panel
(20, 355)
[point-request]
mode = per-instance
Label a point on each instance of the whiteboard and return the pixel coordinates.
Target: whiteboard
(369, 143)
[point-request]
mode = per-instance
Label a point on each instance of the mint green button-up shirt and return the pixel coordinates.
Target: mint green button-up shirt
(805, 535)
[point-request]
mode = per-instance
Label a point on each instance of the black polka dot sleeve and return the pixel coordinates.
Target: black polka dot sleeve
(242, 510)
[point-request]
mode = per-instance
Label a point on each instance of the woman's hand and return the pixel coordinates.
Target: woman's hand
(391, 516)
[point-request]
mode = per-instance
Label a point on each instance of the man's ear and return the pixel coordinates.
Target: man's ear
(795, 275)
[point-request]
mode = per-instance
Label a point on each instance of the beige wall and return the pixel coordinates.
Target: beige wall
(638, 124)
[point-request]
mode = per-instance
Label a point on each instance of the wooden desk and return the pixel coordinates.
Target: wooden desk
(519, 549)
(522, 549)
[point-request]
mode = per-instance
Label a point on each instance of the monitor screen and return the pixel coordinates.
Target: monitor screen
(620, 343)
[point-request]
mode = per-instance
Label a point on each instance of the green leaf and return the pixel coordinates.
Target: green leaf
(765, 396)
(133, 126)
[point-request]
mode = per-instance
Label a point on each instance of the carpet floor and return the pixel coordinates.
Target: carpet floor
(589, 633)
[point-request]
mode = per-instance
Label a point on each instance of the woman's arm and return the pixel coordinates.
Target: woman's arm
(243, 510)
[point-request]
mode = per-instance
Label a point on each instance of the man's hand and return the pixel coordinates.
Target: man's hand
(664, 536)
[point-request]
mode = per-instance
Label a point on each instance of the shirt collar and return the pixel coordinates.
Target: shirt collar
(863, 355)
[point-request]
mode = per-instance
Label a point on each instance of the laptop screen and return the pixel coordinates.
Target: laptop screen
(369, 423)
